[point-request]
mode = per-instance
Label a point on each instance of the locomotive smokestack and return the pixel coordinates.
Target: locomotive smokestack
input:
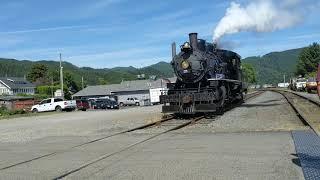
(173, 49)
(193, 40)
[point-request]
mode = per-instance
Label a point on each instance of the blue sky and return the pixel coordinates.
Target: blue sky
(109, 33)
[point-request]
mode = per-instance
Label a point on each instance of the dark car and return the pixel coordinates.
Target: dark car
(82, 104)
(99, 104)
(111, 104)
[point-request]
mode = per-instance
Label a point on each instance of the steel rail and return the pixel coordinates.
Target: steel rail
(89, 142)
(127, 148)
(300, 114)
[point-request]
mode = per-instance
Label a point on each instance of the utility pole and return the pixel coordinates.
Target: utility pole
(61, 77)
(82, 82)
(284, 78)
(51, 87)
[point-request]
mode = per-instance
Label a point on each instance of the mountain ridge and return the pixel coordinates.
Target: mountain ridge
(270, 68)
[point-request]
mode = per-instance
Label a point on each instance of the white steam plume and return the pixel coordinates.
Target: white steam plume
(258, 16)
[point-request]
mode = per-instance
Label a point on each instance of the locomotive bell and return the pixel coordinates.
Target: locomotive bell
(186, 47)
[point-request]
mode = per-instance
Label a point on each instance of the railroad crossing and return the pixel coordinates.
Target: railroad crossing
(273, 135)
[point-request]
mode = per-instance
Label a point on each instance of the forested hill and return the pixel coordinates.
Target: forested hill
(12, 67)
(271, 67)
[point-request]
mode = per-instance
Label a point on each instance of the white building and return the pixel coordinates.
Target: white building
(14, 86)
(146, 91)
(283, 85)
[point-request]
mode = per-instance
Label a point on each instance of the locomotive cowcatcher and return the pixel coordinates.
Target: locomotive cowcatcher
(208, 79)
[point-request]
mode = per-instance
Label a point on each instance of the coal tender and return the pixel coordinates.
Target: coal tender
(208, 79)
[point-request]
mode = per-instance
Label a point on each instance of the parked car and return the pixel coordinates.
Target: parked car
(111, 104)
(54, 104)
(311, 84)
(130, 101)
(318, 80)
(99, 104)
(82, 104)
(300, 84)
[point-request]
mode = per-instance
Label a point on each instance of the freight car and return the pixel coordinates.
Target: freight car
(208, 79)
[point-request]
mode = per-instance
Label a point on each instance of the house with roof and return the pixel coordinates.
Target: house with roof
(16, 85)
(139, 89)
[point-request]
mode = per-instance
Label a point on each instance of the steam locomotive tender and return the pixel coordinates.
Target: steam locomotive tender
(208, 79)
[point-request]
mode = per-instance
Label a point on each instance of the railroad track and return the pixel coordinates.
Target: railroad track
(173, 124)
(169, 123)
(107, 155)
(254, 94)
(168, 126)
(310, 100)
(307, 110)
(89, 142)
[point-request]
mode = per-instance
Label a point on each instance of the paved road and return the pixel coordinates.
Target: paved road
(249, 142)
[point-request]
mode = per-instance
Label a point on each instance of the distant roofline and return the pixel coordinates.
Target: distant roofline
(5, 84)
(15, 81)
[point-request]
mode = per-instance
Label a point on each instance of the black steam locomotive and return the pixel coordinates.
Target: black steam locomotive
(208, 79)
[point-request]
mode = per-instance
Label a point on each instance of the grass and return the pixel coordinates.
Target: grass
(28, 114)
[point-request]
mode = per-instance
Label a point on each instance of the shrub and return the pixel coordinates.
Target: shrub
(46, 89)
(4, 111)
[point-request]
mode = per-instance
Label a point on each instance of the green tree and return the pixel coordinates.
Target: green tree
(70, 82)
(102, 81)
(38, 73)
(308, 60)
(249, 73)
(54, 75)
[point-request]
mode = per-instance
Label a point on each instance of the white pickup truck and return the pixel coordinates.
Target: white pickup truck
(54, 104)
(129, 101)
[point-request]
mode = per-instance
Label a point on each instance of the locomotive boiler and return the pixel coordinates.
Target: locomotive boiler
(208, 79)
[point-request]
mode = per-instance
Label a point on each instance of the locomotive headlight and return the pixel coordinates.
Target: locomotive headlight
(185, 64)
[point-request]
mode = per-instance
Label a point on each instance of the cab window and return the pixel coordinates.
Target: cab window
(45, 101)
(57, 100)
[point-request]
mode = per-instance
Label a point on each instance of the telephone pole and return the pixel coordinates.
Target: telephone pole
(52, 87)
(82, 82)
(61, 77)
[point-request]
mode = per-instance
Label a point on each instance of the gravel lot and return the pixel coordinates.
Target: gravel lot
(78, 123)
(244, 143)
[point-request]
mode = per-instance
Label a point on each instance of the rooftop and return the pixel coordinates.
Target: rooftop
(16, 82)
(136, 85)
